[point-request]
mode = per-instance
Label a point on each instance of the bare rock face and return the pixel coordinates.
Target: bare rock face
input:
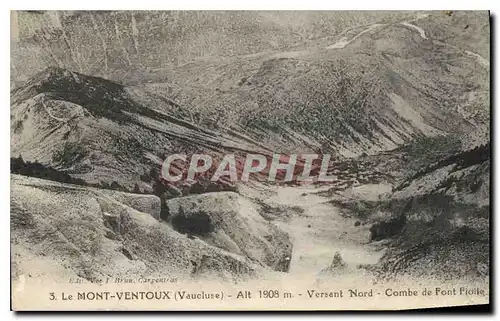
(231, 222)
(63, 231)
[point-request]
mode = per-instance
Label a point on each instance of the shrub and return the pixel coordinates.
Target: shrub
(36, 169)
(69, 154)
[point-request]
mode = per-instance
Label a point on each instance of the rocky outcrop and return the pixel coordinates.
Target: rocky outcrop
(336, 267)
(93, 129)
(231, 222)
(83, 232)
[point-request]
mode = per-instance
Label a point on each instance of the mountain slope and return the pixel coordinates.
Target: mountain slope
(92, 234)
(92, 128)
(318, 95)
(413, 73)
(435, 223)
(130, 45)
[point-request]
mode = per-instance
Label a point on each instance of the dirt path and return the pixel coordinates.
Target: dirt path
(321, 231)
(344, 40)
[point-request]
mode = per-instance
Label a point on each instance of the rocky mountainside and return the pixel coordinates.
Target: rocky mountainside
(437, 216)
(133, 46)
(316, 94)
(400, 99)
(93, 129)
(96, 233)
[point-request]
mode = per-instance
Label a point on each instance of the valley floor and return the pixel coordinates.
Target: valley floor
(321, 231)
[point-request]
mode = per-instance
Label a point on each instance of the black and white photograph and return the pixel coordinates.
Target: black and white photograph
(185, 160)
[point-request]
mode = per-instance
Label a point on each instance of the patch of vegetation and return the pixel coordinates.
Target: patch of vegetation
(418, 219)
(428, 150)
(36, 169)
(114, 186)
(130, 147)
(464, 159)
(22, 218)
(431, 217)
(69, 154)
(18, 126)
(100, 97)
(332, 102)
(386, 229)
